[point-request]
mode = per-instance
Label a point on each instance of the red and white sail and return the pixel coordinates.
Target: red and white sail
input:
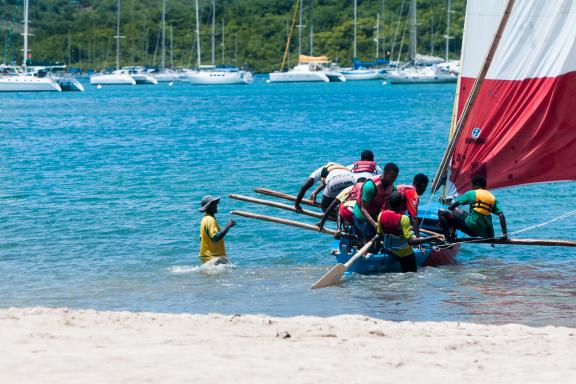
(522, 126)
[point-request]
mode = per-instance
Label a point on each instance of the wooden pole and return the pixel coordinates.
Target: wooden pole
(278, 220)
(270, 192)
(472, 97)
(276, 205)
(281, 195)
(538, 242)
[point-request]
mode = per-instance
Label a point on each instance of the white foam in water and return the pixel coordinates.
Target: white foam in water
(183, 268)
(209, 269)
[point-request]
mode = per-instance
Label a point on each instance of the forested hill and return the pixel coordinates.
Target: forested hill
(81, 33)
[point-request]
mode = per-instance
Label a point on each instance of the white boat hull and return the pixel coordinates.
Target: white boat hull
(22, 83)
(218, 77)
(69, 84)
(419, 77)
(142, 78)
(298, 77)
(168, 77)
(334, 76)
(361, 75)
(112, 79)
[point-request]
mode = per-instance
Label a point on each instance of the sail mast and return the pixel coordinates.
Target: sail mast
(197, 37)
(25, 35)
(442, 169)
(213, 32)
(447, 37)
(300, 31)
(355, 16)
(117, 37)
(413, 40)
(377, 40)
(284, 58)
(311, 30)
(163, 61)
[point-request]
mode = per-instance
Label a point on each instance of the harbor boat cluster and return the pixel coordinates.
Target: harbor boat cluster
(32, 77)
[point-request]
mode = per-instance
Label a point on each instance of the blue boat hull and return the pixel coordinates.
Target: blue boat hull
(383, 262)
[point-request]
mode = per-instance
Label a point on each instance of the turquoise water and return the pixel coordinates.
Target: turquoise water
(99, 195)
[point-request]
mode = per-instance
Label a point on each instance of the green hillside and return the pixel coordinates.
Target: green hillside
(81, 32)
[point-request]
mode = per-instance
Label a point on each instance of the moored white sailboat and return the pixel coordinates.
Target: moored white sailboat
(15, 79)
(413, 74)
(212, 74)
(117, 77)
(355, 73)
(165, 75)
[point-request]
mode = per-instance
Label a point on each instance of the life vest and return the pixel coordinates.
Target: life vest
(380, 200)
(356, 189)
(484, 202)
(402, 189)
(364, 166)
(390, 222)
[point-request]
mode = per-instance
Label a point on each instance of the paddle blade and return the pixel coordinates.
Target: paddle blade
(332, 277)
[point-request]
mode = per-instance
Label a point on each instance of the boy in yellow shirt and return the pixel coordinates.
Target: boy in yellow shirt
(211, 237)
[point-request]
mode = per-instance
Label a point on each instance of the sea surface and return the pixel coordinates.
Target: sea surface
(99, 198)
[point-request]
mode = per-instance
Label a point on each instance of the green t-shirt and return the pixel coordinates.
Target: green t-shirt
(368, 193)
(477, 222)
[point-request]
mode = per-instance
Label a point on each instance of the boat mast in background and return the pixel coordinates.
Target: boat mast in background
(163, 59)
(25, 36)
(447, 36)
(354, 25)
(118, 37)
(377, 39)
(197, 36)
(413, 31)
(299, 26)
(223, 46)
(311, 19)
(213, 62)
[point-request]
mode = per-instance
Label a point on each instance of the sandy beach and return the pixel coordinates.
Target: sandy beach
(41, 345)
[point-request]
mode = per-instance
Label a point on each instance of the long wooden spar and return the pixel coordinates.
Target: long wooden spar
(270, 192)
(279, 220)
(275, 204)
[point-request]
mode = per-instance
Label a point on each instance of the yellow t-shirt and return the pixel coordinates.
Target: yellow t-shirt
(209, 248)
(399, 245)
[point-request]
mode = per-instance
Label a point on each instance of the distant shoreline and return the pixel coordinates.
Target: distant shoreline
(84, 346)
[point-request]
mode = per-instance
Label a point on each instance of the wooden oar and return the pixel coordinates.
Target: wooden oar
(276, 205)
(279, 220)
(269, 192)
(335, 274)
(540, 242)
